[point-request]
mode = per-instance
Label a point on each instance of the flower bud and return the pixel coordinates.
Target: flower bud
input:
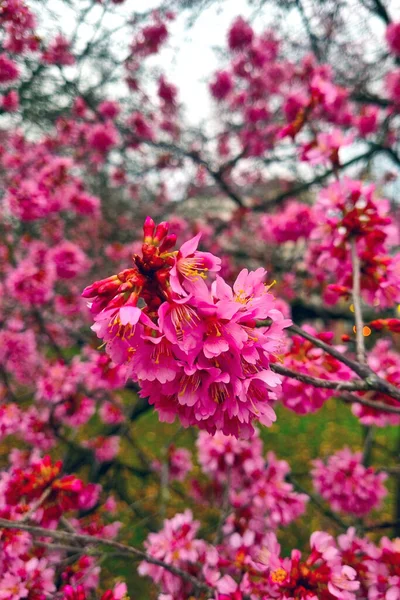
(148, 230)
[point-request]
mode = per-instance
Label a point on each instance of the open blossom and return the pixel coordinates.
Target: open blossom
(320, 574)
(267, 501)
(325, 148)
(84, 572)
(347, 485)
(292, 222)
(377, 566)
(19, 353)
(27, 578)
(193, 349)
(31, 282)
(105, 448)
(384, 573)
(222, 457)
(175, 544)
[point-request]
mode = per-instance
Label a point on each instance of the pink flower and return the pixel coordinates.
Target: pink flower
(386, 363)
(393, 38)
(392, 81)
(10, 101)
(103, 137)
(343, 581)
(119, 592)
(150, 39)
(179, 463)
(105, 448)
(8, 69)
(69, 260)
(140, 126)
(240, 34)
(347, 485)
(175, 545)
(111, 414)
(197, 354)
(303, 357)
(222, 85)
(58, 52)
(190, 265)
(292, 222)
(167, 92)
(325, 149)
(109, 109)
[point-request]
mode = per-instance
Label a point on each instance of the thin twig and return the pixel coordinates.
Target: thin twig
(90, 540)
(356, 293)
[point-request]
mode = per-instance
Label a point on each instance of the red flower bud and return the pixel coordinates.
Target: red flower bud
(168, 242)
(394, 325)
(161, 232)
(148, 230)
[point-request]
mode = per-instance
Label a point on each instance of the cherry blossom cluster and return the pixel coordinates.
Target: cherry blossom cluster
(304, 357)
(349, 212)
(253, 571)
(347, 484)
(68, 394)
(22, 487)
(346, 568)
(194, 350)
(39, 183)
(293, 222)
(258, 73)
(36, 489)
(258, 492)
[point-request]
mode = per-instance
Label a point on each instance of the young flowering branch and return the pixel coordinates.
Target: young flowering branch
(352, 386)
(362, 370)
(89, 540)
(350, 399)
(357, 302)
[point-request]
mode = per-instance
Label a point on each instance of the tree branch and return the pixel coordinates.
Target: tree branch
(89, 540)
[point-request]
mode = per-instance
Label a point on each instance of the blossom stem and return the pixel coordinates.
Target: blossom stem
(357, 302)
